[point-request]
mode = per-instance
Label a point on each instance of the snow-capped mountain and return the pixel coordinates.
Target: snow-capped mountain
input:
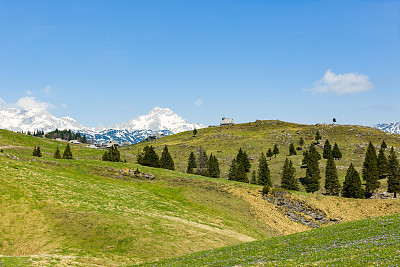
(158, 121)
(393, 127)
(18, 119)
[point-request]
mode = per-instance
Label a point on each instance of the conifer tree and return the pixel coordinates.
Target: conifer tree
(276, 150)
(327, 150)
(213, 167)
(306, 157)
(270, 153)
(84, 140)
(383, 145)
(194, 132)
(166, 161)
(67, 153)
(313, 153)
(292, 150)
(191, 163)
(57, 154)
(150, 157)
(112, 154)
(264, 177)
(244, 159)
(202, 162)
(336, 154)
(288, 180)
(34, 153)
(241, 175)
(38, 152)
(382, 163)
(332, 185)
(352, 184)
(318, 137)
(370, 169)
(394, 173)
(233, 170)
(301, 142)
(253, 178)
(313, 175)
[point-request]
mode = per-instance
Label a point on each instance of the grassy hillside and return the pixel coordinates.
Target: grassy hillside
(370, 242)
(257, 137)
(86, 212)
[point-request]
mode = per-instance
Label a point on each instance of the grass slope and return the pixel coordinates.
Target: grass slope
(370, 242)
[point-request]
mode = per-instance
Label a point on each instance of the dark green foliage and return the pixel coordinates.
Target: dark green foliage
(166, 161)
(37, 152)
(253, 179)
(213, 167)
(191, 163)
(334, 120)
(327, 150)
(194, 132)
(38, 134)
(312, 172)
(318, 137)
(270, 153)
(264, 176)
(313, 153)
(66, 135)
(305, 157)
(149, 158)
(383, 145)
(382, 163)
(370, 169)
(289, 181)
(112, 154)
(266, 189)
(233, 170)
(336, 154)
(244, 160)
(276, 150)
(67, 153)
(394, 173)
(202, 162)
(84, 140)
(57, 154)
(352, 184)
(292, 150)
(241, 175)
(301, 142)
(332, 185)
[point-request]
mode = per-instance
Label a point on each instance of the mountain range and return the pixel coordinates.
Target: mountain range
(157, 121)
(391, 127)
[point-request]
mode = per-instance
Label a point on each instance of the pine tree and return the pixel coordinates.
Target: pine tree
(332, 185)
(382, 163)
(213, 167)
(150, 157)
(370, 169)
(166, 161)
(383, 145)
(306, 157)
(253, 178)
(264, 176)
(67, 153)
(313, 153)
(318, 137)
(270, 153)
(288, 180)
(244, 159)
(352, 184)
(336, 154)
(38, 152)
(112, 154)
(276, 150)
(57, 154)
(394, 173)
(194, 132)
(202, 162)
(191, 163)
(84, 140)
(292, 150)
(312, 176)
(241, 175)
(301, 142)
(34, 153)
(327, 150)
(233, 170)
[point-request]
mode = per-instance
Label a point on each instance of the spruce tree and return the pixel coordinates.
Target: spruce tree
(327, 150)
(264, 176)
(57, 154)
(352, 184)
(394, 173)
(370, 169)
(292, 150)
(194, 132)
(288, 180)
(383, 145)
(67, 153)
(336, 154)
(318, 137)
(241, 175)
(253, 178)
(213, 167)
(34, 153)
(191, 163)
(112, 154)
(382, 163)
(306, 157)
(313, 153)
(332, 185)
(202, 162)
(166, 161)
(270, 153)
(312, 176)
(244, 159)
(38, 152)
(276, 150)
(233, 170)
(301, 142)
(150, 157)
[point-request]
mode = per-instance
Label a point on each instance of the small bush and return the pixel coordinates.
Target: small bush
(266, 189)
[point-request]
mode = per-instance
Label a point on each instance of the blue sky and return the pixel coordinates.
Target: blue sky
(109, 61)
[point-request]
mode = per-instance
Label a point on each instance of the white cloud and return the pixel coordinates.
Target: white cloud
(2, 102)
(29, 102)
(343, 83)
(198, 102)
(47, 89)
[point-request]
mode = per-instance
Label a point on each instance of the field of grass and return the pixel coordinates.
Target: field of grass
(86, 212)
(370, 242)
(257, 137)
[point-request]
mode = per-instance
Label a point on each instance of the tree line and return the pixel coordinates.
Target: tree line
(66, 135)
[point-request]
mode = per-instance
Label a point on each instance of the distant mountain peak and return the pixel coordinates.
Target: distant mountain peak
(391, 127)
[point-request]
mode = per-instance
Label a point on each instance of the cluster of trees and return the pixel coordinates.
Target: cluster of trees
(112, 154)
(240, 167)
(66, 135)
(150, 158)
(203, 165)
(57, 155)
(37, 152)
(36, 133)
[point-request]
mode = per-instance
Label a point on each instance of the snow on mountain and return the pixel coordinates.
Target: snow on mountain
(19, 119)
(393, 127)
